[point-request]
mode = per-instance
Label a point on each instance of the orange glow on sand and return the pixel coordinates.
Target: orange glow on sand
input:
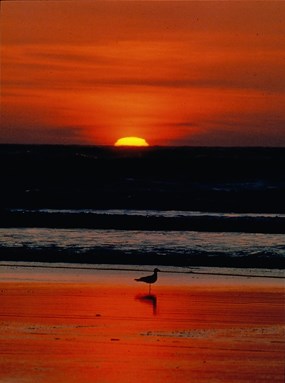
(87, 332)
(131, 141)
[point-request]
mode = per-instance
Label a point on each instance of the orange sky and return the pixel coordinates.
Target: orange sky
(174, 73)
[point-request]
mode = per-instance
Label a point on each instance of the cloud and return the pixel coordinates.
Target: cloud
(144, 64)
(182, 68)
(43, 135)
(89, 22)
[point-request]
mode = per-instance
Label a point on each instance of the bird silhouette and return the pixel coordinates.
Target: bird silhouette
(149, 279)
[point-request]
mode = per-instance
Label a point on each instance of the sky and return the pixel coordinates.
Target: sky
(201, 73)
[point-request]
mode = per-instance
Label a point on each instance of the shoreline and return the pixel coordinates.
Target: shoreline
(97, 255)
(198, 277)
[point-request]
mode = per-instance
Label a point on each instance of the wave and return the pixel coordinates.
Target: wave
(141, 247)
(150, 213)
(149, 221)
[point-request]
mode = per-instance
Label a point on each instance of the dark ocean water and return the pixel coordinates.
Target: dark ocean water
(154, 178)
(167, 206)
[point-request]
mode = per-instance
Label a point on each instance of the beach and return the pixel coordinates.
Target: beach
(136, 136)
(99, 325)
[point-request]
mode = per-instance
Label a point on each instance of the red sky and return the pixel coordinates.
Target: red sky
(174, 73)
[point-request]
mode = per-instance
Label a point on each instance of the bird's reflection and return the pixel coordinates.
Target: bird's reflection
(149, 299)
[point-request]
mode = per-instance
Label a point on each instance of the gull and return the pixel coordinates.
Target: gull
(149, 279)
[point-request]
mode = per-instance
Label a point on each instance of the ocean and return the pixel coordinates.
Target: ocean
(178, 207)
(166, 247)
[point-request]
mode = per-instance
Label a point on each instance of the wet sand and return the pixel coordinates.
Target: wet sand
(101, 326)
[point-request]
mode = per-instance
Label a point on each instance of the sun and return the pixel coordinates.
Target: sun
(131, 141)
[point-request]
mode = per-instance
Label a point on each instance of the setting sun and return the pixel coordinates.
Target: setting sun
(131, 141)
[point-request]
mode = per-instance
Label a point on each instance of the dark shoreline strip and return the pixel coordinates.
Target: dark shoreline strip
(119, 257)
(268, 225)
